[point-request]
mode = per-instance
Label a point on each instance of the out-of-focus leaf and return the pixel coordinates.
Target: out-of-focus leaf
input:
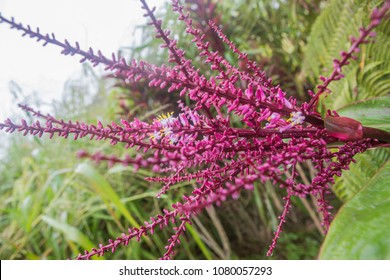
(374, 112)
(70, 233)
(202, 246)
(361, 228)
(105, 190)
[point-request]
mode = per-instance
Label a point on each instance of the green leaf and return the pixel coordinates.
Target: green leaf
(361, 228)
(374, 112)
(71, 233)
(104, 189)
(359, 175)
(202, 246)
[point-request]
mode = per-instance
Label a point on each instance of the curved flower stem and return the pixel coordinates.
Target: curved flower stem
(375, 133)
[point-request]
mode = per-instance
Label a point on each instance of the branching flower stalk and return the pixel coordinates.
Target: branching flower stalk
(200, 143)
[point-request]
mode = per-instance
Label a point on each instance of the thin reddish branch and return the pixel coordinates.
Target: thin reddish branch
(282, 220)
(365, 32)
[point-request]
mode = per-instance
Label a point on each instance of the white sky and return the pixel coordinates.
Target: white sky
(104, 25)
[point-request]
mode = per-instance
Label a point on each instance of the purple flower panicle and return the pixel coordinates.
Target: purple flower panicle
(200, 142)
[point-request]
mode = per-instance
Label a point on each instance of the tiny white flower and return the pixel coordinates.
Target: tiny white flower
(166, 120)
(156, 135)
(173, 139)
(167, 131)
(296, 118)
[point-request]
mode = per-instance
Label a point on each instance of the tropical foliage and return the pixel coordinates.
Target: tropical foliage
(55, 206)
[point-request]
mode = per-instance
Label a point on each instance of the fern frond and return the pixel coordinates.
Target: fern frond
(367, 77)
(366, 166)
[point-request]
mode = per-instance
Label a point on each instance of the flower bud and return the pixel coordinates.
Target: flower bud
(343, 128)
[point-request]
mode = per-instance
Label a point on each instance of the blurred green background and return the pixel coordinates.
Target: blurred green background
(53, 205)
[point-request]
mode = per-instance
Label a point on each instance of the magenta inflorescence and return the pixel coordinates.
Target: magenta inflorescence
(201, 142)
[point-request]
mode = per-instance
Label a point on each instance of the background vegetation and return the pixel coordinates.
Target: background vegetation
(54, 205)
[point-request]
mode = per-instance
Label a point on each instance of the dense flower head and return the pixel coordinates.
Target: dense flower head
(201, 142)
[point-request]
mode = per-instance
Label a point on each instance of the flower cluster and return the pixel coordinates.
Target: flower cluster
(200, 142)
